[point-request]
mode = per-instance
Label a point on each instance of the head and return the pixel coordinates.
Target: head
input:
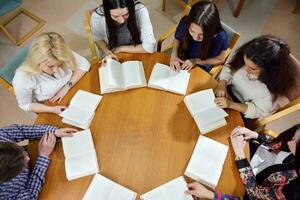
(118, 12)
(12, 160)
(203, 23)
(48, 52)
(267, 58)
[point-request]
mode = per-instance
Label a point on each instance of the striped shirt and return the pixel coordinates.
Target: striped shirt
(26, 185)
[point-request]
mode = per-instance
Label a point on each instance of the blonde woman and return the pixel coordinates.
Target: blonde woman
(49, 71)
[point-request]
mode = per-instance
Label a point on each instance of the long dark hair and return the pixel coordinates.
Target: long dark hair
(111, 27)
(271, 54)
(206, 15)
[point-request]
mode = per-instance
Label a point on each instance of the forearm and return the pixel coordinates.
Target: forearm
(238, 107)
(132, 49)
(101, 44)
(175, 47)
(210, 61)
(76, 76)
(40, 108)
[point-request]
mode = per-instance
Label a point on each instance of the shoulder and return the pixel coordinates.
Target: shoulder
(81, 61)
(23, 78)
(98, 16)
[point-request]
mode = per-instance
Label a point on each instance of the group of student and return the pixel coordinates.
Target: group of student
(259, 74)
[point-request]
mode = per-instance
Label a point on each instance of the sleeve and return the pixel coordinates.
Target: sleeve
(17, 133)
(36, 180)
(23, 87)
(221, 196)
(98, 27)
(220, 44)
(226, 74)
(254, 190)
(180, 29)
(81, 62)
(146, 30)
(262, 138)
(259, 108)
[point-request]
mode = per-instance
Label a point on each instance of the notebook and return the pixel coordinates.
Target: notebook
(115, 76)
(207, 115)
(81, 110)
(80, 155)
(163, 78)
(173, 190)
(207, 161)
(101, 188)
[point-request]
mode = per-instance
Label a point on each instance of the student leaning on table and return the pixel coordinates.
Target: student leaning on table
(122, 26)
(274, 169)
(199, 39)
(49, 71)
(16, 182)
(259, 74)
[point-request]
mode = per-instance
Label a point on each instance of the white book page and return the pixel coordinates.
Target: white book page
(82, 126)
(100, 188)
(155, 194)
(178, 81)
(159, 76)
(115, 74)
(207, 160)
(80, 166)
(199, 101)
(76, 114)
(85, 100)
(205, 128)
(80, 143)
(132, 74)
(210, 115)
(103, 75)
(119, 192)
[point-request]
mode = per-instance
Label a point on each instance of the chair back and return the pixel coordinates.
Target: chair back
(7, 6)
(91, 43)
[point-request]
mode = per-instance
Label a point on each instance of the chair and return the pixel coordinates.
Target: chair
(7, 72)
(238, 8)
(6, 7)
(91, 43)
(232, 36)
(183, 2)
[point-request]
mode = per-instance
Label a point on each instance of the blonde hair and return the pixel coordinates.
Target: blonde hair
(48, 46)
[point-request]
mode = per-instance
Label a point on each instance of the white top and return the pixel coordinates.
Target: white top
(100, 32)
(38, 88)
(254, 93)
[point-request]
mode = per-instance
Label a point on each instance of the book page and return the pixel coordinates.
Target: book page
(132, 74)
(115, 74)
(86, 101)
(155, 194)
(100, 188)
(159, 76)
(178, 81)
(83, 165)
(205, 128)
(80, 143)
(210, 115)
(119, 192)
(76, 114)
(82, 126)
(207, 160)
(103, 76)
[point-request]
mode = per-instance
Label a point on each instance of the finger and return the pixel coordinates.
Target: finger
(181, 61)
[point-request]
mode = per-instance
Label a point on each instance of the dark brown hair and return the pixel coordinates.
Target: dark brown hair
(271, 54)
(206, 15)
(11, 161)
(111, 27)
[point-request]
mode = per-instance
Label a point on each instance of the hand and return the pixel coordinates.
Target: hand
(111, 56)
(188, 64)
(238, 144)
(199, 191)
(221, 90)
(57, 109)
(60, 94)
(247, 133)
(175, 63)
(65, 132)
(223, 102)
(117, 50)
(47, 144)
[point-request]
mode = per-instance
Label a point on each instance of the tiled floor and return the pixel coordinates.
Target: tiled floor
(66, 17)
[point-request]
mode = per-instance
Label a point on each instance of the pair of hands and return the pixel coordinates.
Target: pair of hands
(177, 64)
(57, 98)
(47, 142)
(221, 99)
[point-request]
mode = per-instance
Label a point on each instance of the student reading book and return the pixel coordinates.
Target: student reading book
(207, 115)
(207, 161)
(80, 155)
(164, 78)
(115, 76)
(81, 110)
(101, 188)
(173, 190)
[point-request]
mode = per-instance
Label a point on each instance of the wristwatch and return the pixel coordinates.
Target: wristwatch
(69, 84)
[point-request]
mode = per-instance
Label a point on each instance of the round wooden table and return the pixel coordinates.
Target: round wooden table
(143, 137)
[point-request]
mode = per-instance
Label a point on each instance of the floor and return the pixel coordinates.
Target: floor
(257, 17)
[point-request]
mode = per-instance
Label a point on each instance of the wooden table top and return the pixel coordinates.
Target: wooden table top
(143, 137)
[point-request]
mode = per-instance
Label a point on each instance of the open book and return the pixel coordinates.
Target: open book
(207, 115)
(162, 77)
(80, 155)
(173, 190)
(115, 76)
(207, 161)
(81, 110)
(102, 188)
